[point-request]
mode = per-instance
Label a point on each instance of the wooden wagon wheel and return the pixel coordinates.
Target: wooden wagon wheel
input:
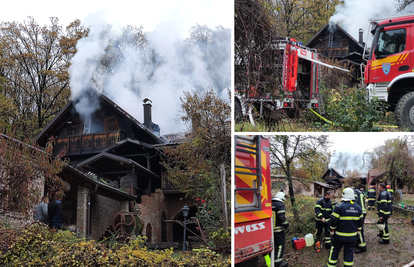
(122, 220)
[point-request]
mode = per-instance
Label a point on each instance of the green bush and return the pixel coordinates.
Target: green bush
(37, 245)
(306, 223)
(352, 111)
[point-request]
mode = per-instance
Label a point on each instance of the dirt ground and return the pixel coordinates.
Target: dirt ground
(398, 253)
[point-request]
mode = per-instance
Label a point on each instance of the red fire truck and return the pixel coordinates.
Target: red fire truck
(298, 72)
(389, 73)
(253, 232)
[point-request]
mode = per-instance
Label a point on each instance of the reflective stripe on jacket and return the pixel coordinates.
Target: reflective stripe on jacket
(384, 204)
(280, 223)
(372, 195)
(347, 219)
(323, 209)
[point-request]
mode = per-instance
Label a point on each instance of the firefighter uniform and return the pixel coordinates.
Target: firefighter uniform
(391, 191)
(372, 195)
(346, 221)
(384, 210)
(360, 244)
(323, 209)
(280, 225)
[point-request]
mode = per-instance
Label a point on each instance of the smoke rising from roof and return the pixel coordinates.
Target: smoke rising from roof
(349, 161)
(129, 65)
(355, 14)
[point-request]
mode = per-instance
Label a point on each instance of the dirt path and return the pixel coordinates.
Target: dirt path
(398, 253)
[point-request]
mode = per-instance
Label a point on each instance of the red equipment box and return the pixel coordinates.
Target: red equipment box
(299, 243)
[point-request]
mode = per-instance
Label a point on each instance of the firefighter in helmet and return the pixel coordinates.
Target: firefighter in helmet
(280, 225)
(384, 212)
(360, 244)
(372, 195)
(323, 211)
(346, 222)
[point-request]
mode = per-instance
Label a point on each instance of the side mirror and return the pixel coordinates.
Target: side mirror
(378, 54)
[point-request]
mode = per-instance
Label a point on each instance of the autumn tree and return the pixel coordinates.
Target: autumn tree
(24, 170)
(285, 149)
(302, 19)
(396, 158)
(34, 61)
(194, 166)
(312, 168)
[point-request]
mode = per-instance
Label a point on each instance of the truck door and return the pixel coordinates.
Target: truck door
(391, 56)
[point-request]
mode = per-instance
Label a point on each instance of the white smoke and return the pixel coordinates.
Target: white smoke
(353, 15)
(175, 67)
(349, 161)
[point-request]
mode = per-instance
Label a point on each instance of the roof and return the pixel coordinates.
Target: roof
(103, 188)
(112, 164)
(375, 172)
(322, 184)
(64, 115)
(317, 36)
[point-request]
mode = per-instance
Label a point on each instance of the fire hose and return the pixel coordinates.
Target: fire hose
(330, 122)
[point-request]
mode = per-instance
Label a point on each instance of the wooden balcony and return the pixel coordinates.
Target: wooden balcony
(87, 143)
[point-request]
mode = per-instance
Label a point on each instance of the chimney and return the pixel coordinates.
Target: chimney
(147, 113)
(361, 37)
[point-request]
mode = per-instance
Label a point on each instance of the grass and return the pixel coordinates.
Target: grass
(307, 122)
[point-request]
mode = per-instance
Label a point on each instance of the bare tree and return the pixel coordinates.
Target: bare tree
(285, 149)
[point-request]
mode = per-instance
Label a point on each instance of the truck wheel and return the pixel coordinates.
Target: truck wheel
(238, 114)
(404, 112)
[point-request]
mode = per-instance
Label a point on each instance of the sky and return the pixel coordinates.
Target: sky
(166, 21)
(121, 12)
(359, 143)
(351, 151)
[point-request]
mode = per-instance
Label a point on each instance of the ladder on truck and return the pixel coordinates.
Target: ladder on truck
(251, 146)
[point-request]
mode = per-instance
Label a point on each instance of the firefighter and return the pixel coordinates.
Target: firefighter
(391, 191)
(360, 244)
(372, 195)
(323, 211)
(384, 212)
(280, 225)
(346, 221)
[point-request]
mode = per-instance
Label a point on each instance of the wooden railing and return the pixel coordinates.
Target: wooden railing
(333, 51)
(87, 143)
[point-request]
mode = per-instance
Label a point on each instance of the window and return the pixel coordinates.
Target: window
(391, 42)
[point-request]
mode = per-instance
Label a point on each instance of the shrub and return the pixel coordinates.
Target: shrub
(352, 111)
(37, 245)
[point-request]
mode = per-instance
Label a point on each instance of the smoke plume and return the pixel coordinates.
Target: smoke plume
(353, 15)
(349, 161)
(128, 65)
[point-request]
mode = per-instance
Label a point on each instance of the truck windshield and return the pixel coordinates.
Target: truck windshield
(390, 42)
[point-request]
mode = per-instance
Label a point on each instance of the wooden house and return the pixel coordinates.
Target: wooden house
(333, 42)
(115, 166)
(333, 178)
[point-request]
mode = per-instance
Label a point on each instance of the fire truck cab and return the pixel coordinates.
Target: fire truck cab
(389, 72)
(253, 228)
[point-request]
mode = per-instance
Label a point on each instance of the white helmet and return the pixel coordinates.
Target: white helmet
(348, 193)
(381, 226)
(281, 196)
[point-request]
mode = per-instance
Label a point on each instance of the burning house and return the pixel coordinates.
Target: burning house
(115, 166)
(332, 41)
